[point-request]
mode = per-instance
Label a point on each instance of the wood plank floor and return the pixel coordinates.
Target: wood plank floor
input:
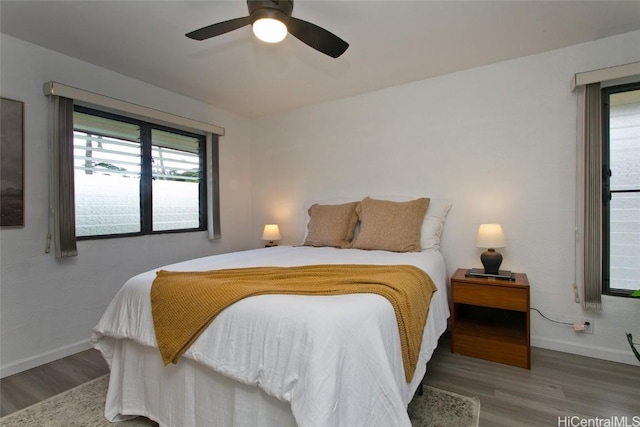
(34, 385)
(558, 385)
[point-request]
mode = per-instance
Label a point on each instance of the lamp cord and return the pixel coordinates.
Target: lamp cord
(551, 320)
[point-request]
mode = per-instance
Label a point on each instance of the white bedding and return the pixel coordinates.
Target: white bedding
(336, 360)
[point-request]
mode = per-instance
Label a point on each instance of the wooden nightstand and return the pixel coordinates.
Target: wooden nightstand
(490, 318)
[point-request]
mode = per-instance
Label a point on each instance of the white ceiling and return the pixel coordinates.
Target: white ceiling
(391, 42)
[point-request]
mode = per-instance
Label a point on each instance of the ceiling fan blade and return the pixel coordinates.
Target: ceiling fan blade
(317, 37)
(219, 28)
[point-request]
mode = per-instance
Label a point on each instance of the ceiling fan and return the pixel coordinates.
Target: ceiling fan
(271, 20)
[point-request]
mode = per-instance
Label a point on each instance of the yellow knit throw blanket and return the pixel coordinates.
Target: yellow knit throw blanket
(184, 303)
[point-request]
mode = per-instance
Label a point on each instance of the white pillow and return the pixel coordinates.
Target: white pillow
(432, 224)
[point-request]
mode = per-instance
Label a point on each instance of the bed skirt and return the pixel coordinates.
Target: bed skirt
(185, 394)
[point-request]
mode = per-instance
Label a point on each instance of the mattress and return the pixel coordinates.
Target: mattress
(272, 360)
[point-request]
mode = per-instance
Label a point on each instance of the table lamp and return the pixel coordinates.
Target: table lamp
(271, 233)
(491, 236)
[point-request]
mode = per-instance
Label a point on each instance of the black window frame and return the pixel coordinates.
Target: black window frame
(606, 189)
(146, 187)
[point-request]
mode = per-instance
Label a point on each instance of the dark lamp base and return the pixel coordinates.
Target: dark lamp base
(491, 261)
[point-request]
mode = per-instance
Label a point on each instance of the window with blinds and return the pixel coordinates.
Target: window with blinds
(133, 177)
(176, 180)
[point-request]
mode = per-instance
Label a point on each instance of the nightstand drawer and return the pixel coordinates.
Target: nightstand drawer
(508, 298)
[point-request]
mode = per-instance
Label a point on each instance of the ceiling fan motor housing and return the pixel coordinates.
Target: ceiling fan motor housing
(274, 9)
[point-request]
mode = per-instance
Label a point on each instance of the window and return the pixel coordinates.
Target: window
(133, 177)
(621, 189)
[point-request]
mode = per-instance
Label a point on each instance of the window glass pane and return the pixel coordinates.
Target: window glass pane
(624, 241)
(176, 181)
(624, 140)
(133, 177)
(107, 176)
(624, 208)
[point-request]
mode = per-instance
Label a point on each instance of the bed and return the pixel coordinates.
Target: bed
(274, 360)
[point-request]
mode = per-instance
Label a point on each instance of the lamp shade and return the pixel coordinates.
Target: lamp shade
(271, 232)
(490, 236)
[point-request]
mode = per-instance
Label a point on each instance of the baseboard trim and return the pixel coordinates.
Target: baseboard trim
(596, 352)
(41, 359)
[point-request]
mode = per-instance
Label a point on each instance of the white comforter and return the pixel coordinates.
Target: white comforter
(335, 359)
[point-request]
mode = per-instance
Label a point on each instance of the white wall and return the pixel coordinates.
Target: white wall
(498, 140)
(49, 306)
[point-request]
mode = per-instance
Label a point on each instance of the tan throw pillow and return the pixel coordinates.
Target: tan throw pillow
(331, 225)
(390, 226)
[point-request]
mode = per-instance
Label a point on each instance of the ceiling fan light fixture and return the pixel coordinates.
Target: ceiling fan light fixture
(270, 30)
(271, 20)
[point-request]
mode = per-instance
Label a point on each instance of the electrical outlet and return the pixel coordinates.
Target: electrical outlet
(588, 325)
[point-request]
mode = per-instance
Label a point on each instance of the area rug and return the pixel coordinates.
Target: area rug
(441, 408)
(83, 406)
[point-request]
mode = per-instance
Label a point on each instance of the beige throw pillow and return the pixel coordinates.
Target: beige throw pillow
(390, 226)
(331, 225)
